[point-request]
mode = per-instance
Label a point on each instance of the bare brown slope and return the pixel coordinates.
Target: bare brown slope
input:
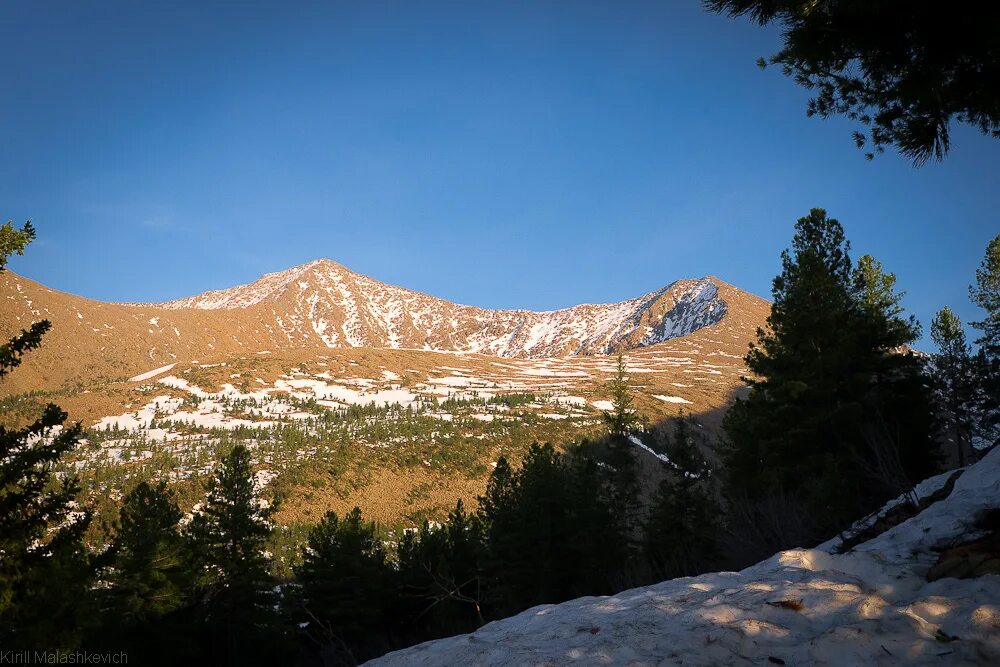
(91, 341)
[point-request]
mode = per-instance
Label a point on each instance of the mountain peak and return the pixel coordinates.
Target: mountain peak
(321, 263)
(324, 303)
(321, 304)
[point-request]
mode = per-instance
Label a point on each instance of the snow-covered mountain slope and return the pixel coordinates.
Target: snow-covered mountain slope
(870, 606)
(323, 303)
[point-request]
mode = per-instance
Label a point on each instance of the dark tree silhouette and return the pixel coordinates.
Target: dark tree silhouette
(954, 382)
(345, 583)
(830, 365)
(986, 294)
(45, 569)
(234, 586)
(148, 577)
(902, 69)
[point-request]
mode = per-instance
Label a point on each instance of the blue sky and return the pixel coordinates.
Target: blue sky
(503, 154)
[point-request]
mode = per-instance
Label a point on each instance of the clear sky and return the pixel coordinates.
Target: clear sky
(502, 154)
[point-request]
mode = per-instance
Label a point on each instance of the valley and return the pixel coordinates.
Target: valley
(164, 389)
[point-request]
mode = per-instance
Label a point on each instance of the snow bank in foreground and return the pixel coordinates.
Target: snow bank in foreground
(871, 606)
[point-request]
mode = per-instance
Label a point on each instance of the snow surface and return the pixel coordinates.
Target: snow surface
(870, 606)
(151, 374)
(671, 399)
(641, 445)
(270, 404)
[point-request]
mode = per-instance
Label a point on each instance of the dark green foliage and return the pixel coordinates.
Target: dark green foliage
(148, 577)
(524, 512)
(838, 415)
(903, 70)
(233, 584)
(622, 419)
(229, 532)
(954, 382)
(986, 294)
(345, 588)
(14, 241)
(540, 521)
(985, 403)
(897, 424)
(45, 570)
(513, 400)
(967, 384)
(681, 531)
(875, 292)
(13, 350)
(441, 568)
(621, 422)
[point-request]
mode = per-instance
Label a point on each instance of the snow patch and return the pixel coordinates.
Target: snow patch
(672, 399)
(151, 374)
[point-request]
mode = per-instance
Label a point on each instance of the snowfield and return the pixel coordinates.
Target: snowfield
(870, 606)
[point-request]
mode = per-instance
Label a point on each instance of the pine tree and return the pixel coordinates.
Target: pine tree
(234, 587)
(833, 402)
(593, 520)
(148, 577)
(897, 424)
(622, 418)
(442, 573)
(501, 488)
(45, 570)
(145, 579)
(459, 578)
(539, 522)
(986, 294)
(526, 536)
(498, 512)
(345, 584)
(954, 381)
(875, 291)
(797, 364)
(14, 241)
(621, 422)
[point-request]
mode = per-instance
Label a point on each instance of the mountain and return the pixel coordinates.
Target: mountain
(161, 386)
(891, 600)
(322, 304)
